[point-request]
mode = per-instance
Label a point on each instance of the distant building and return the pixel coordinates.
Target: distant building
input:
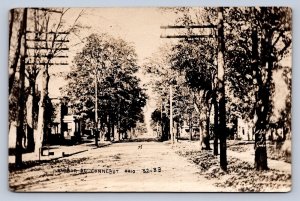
(73, 127)
(245, 129)
(65, 126)
(185, 130)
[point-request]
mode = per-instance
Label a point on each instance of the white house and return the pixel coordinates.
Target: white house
(244, 129)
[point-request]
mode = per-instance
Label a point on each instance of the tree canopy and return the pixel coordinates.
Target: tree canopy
(119, 95)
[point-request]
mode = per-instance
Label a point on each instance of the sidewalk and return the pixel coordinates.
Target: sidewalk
(60, 151)
(247, 156)
(272, 164)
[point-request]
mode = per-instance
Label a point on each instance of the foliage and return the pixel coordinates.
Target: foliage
(119, 94)
(196, 59)
(163, 76)
(156, 116)
(242, 76)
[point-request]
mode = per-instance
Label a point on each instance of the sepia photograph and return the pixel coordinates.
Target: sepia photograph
(150, 99)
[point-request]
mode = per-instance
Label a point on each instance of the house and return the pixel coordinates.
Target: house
(73, 128)
(245, 129)
(64, 126)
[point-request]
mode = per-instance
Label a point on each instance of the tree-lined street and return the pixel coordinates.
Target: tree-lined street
(198, 100)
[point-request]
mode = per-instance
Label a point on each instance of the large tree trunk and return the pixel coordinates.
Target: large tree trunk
(207, 137)
(117, 135)
(11, 25)
(21, 99)
(21, 115)
(191, 125)
(216, 123)
(177, 131)
(201, 138)
(31, 105)
(204, 134)
(112, 127)
(63, 113)
(108, 126)
(262, 97)
(14, 64)
(165, 128)
(260, 160)
(171, 115)
(202, 110)
(42, 117)
(261, 127)
(32, 99)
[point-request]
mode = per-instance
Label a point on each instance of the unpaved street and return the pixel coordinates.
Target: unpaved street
(132, 166)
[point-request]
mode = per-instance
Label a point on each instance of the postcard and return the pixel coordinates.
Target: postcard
(158, 99)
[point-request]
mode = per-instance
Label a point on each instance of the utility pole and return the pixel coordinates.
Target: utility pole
(221, 131)
(221, 92)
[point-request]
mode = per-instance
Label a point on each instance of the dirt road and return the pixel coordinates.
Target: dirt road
(132, 166)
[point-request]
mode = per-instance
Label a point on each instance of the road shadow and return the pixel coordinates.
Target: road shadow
(138, 140)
